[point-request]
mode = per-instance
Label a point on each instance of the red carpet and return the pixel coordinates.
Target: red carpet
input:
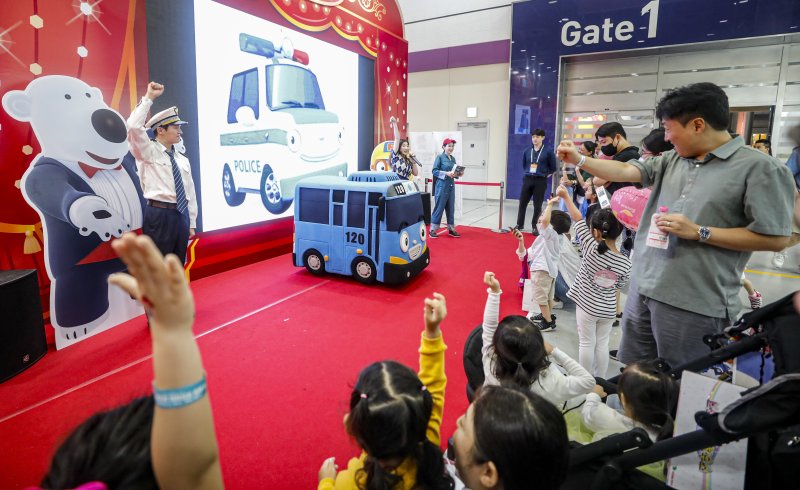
(282, 349)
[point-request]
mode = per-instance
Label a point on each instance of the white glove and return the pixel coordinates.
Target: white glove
(91, 214)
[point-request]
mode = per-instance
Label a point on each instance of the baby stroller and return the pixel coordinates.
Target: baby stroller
(768, 415)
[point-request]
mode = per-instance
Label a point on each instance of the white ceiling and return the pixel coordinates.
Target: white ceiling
(417, 10)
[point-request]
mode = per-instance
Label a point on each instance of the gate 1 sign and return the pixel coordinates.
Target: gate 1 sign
(572, 32)
(543, 32)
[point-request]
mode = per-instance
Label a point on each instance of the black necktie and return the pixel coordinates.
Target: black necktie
(180, 192)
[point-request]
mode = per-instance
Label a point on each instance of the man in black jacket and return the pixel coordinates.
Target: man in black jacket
(538, 163)
(613, 143)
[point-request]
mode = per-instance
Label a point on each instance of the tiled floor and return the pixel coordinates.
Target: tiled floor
(771, 282)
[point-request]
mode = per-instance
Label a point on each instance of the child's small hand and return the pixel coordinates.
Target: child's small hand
(561, 191)
(156, 281)
(328, 469)
(435, 313)
(393, 121)
(490, 280)
(553, 200)
(548, 347)
(598, 390)
(517, 234)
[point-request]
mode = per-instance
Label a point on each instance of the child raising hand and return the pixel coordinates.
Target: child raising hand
(395, 416)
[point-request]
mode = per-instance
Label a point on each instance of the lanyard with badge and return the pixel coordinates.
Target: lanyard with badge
(602, 197)
(535, 165)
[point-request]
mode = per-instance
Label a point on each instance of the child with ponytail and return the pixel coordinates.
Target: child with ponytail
(603, 271)
(649, 398)
(515, 354)
(395, 416)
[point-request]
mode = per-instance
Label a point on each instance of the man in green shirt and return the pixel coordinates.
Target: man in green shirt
(725, 201)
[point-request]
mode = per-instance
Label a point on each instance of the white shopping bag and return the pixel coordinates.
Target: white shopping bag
(528, 303)
(727, 462)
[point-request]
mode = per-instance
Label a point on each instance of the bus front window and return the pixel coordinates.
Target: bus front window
(290, 86)
(403, 211)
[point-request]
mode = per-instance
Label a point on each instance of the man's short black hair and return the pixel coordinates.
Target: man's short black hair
(165, 127)
(610, 130)
(538, 132)
(704, 100)
(765, 142)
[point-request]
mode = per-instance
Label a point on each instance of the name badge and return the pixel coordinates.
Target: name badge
(533, 168)
(602, 197)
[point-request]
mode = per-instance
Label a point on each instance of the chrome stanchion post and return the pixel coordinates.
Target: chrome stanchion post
(500, 228)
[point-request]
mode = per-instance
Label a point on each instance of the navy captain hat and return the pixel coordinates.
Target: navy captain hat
(165, 118)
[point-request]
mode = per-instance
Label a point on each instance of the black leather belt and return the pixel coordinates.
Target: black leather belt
(162, 205)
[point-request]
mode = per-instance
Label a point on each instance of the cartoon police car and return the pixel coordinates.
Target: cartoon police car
(280, 131)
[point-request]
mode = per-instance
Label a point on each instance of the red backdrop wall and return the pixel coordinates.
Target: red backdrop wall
(105, 45)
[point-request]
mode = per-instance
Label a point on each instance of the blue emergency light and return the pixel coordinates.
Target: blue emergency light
(256, 45)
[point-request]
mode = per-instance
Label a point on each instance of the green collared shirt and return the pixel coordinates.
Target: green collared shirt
(735, 186)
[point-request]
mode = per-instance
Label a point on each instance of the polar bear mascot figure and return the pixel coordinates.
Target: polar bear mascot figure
(85, 188)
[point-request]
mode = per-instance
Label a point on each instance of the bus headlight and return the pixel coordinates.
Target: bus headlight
(293, 140)
(405, 241)
(423, 235)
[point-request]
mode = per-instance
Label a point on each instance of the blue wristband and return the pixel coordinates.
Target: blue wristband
(180, 397)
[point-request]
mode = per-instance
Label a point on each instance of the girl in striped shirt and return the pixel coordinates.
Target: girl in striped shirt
(603, 271)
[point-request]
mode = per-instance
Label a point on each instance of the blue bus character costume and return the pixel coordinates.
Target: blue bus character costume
(171, 206)
(538, 163)
(445, 191)
(369, 225)
(84, 192)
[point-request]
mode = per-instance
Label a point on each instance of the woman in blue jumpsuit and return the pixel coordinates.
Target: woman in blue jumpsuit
(445, 191)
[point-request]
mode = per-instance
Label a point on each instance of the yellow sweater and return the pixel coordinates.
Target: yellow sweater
(431, 373)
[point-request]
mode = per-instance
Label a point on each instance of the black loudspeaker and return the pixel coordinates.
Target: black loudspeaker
(22, 338)
(426, 206)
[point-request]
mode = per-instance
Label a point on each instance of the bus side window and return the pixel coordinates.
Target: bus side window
(374, 198)
(355, 209)
(244, 92)
(314, 205)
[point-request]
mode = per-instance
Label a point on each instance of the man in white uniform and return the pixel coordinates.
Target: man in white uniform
(170, 213)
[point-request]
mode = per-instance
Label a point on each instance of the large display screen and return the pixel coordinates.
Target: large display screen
(274, 106)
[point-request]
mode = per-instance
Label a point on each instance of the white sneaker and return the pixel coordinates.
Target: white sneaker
(778, 258)
(558, 305)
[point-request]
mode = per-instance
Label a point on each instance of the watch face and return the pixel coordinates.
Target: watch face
(704, 233)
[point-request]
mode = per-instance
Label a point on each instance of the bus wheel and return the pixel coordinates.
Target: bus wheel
(271, 194)
(364, 270)
(232, 197)
(314, 262)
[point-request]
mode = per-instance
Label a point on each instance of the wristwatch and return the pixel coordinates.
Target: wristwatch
(703, 233)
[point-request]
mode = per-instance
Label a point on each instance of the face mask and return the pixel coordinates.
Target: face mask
(609, 150)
